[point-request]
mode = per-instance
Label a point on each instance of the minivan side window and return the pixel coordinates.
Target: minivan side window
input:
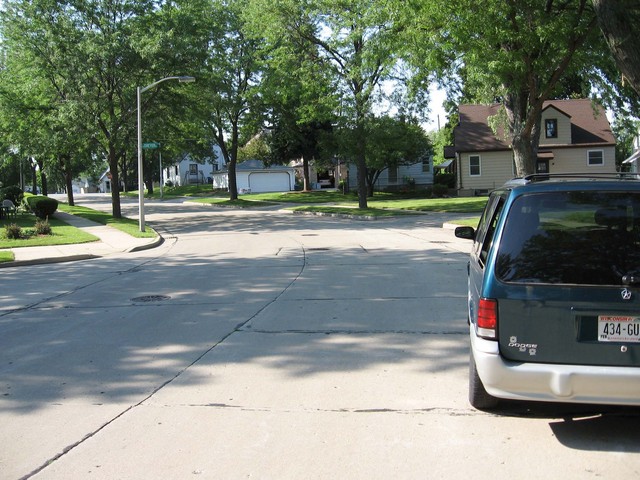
(487, 227)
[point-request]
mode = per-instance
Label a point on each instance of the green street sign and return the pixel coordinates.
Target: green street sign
(150, 145)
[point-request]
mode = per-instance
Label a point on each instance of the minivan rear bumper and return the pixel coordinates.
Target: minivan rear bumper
(550, 382)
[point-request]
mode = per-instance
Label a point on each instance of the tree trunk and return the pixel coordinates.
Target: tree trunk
(361, 160)
(125, 173)
(65, 164)
(115, 183)
(305, 174)
(43, 178)
(372, 178)
(619, 21)
(233, 160)
(524, 131)
(34, 176)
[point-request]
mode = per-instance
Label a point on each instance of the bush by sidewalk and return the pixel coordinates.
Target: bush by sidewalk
(41, 206)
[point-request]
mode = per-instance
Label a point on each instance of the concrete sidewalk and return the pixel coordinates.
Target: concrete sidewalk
(111, 241)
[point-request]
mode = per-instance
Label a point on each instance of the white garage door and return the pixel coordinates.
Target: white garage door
(269, 182)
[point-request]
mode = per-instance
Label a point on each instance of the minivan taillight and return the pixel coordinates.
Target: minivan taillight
(487, 323)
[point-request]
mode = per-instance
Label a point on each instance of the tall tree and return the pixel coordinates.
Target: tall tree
(227, 98)
(620, 23)
(297, 91)
(390, 143)
(516, 53)
(357, 40)
(90, 55)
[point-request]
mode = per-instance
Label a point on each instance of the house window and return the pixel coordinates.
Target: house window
(193, 168)
(426, 164)
(595, 158)
(474, 165)
(393, 174)
(551, 128)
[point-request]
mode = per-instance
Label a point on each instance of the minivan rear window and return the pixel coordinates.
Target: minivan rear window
(575, 237)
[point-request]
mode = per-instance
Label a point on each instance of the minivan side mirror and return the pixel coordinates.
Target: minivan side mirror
(467, 233)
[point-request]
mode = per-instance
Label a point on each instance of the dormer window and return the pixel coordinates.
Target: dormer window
(551, 128)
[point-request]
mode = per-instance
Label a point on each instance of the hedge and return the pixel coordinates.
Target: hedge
(41, 206)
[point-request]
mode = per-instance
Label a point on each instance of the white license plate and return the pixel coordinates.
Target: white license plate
(618, 328)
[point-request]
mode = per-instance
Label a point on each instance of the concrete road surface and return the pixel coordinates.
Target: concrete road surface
(260, 344)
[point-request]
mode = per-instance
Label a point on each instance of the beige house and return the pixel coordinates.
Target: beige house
(576, 138)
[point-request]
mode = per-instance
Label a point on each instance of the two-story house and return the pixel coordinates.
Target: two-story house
(576, 138)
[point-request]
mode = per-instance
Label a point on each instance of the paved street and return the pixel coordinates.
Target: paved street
(260, 344)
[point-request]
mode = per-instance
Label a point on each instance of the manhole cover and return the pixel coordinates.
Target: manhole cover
(151, 298)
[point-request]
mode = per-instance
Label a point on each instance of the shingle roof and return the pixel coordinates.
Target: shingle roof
(589, 125)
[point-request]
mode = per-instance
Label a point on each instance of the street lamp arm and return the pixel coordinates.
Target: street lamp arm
(181, 79)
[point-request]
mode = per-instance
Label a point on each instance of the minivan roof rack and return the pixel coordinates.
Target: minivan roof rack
(541, 177)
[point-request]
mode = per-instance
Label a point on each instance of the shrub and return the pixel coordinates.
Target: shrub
(42, 207)
(440, 190)
(13, 231)
(13, 193)
(445, 178)
(43, 227)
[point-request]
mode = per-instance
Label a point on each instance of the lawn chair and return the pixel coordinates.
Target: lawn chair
(9, 209)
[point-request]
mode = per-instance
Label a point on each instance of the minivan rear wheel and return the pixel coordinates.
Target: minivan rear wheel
(478, 396)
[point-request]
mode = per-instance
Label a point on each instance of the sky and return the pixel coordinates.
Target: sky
(437, 98)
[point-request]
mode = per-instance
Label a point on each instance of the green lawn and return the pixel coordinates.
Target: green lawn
(173, 192)
(225, 202)
(315, 196)
(395, 201)
(127, 225)
(6, 256)
(62, 233)
(450, 205)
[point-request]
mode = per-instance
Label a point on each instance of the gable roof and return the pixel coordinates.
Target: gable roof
(589, 125)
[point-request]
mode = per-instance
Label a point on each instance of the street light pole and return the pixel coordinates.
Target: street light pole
(139, 92)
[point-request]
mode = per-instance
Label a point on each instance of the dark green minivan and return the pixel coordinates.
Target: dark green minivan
(554, 292)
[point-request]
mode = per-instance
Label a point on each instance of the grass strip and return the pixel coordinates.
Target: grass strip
(225, 202)
(61, 233)
(126, 225)
(6, 256)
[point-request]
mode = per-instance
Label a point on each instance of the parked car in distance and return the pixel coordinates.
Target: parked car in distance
(554, 292)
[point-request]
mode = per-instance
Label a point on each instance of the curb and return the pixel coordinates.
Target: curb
(156, 242)
(44, 261)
